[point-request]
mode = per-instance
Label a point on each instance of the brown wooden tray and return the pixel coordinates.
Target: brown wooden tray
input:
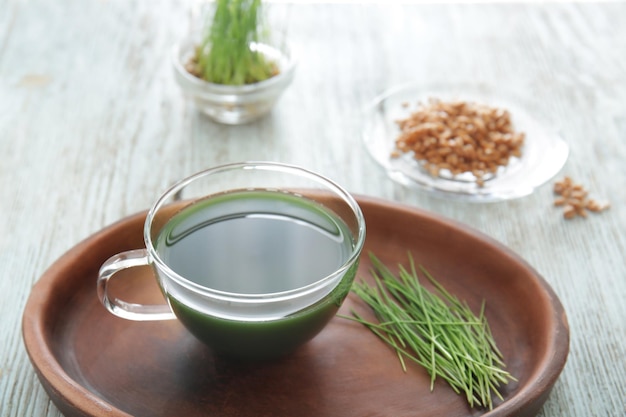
(94, 364)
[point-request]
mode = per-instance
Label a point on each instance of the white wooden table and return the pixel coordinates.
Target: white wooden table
(93, 127)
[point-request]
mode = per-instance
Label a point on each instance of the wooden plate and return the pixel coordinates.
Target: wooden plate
(92, 363)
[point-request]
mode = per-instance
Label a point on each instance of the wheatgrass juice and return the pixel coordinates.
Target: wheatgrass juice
(251, 243)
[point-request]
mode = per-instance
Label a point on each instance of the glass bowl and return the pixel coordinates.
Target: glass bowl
(543, 154)
(229, 104)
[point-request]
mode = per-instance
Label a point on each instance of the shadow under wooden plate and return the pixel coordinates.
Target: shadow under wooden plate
(94, 364)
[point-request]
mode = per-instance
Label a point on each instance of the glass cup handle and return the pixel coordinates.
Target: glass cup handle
(121, 308)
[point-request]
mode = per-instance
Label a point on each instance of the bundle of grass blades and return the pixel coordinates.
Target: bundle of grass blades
(435, 330)
(225, 55)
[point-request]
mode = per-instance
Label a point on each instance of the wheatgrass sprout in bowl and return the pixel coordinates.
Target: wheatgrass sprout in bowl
(237, 67)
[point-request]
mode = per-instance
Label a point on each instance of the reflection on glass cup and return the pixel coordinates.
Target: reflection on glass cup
(253, 258)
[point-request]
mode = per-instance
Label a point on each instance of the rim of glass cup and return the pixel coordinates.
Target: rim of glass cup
(266, 297)
(285, 48)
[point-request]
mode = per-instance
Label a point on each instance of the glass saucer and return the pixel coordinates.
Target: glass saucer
(543, 154)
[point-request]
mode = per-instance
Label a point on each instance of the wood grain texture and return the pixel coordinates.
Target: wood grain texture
(92, 128)
(343, 371)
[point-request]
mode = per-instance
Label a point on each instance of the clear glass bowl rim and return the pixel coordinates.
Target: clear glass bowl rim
(286, 71)
(258, 298)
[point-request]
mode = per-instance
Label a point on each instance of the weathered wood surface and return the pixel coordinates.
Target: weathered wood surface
(92, 128)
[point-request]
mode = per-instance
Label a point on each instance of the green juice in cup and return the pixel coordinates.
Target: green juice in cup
(250, 244)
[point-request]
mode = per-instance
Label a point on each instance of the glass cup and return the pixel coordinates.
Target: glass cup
(253, 258)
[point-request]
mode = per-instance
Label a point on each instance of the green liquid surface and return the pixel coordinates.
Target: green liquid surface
(256, 242)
